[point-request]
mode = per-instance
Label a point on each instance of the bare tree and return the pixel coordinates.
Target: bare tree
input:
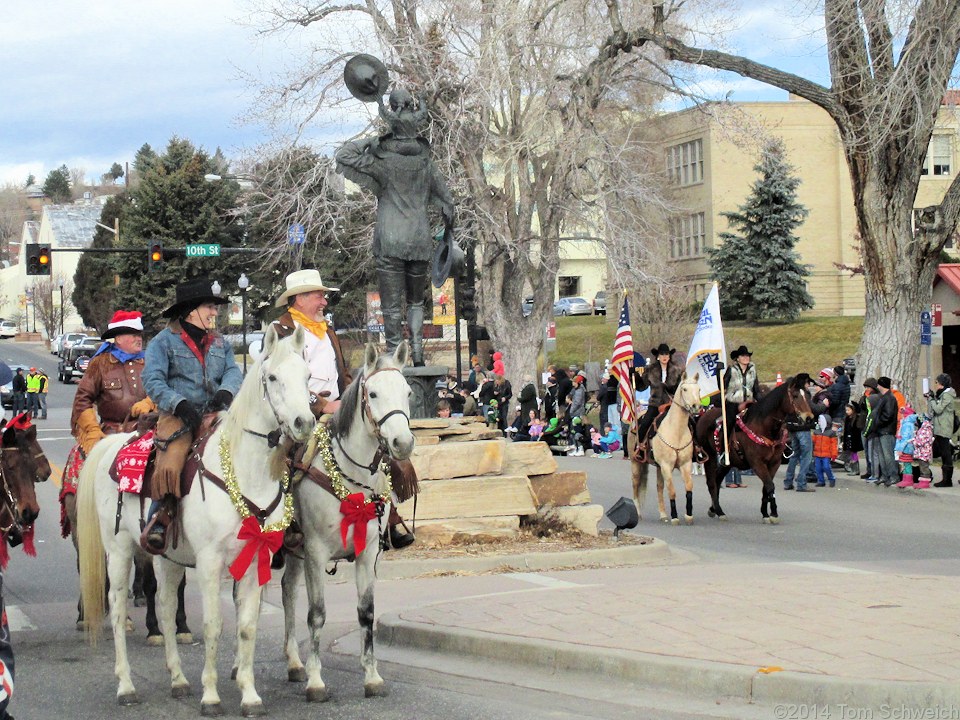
(890, 65)
(532, 106)
(78, 181)
(14, 211)
(46, 304)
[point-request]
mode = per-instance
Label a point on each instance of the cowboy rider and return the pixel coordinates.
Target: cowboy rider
(190, 370)
(741, 386)
(305, 299)
(663, 379)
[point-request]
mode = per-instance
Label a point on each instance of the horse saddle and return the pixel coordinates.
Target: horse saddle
(644, 452)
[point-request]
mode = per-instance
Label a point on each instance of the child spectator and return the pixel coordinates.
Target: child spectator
(610, 442)
(536, 426)
(443, 409)
(578, 436)
(904, 447)
(824, 450)
(853, 437)
(492, 413)
(923, 453)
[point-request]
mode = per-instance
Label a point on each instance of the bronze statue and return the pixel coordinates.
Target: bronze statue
(397, 168)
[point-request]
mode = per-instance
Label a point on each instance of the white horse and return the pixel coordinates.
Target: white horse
(273, 395)
(371, 424)
(672, 447)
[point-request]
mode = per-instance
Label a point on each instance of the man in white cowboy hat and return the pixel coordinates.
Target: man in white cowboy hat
(305, 298)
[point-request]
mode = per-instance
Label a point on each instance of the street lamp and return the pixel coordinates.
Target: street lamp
(243, 283)
(61, 308)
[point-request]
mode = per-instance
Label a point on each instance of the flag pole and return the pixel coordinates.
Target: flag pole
(723, 412)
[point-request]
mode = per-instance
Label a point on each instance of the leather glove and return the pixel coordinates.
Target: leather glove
(88, 431)
(221, 400)
(318, 402)
(142, 407)
(189, 414)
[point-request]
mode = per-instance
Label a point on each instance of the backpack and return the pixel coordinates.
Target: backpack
(956, 422)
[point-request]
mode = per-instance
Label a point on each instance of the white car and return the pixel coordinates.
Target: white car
(8, 329)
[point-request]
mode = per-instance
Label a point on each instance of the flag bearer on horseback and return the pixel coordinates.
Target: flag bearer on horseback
(189, 370)
(663, 379)
(305, 299)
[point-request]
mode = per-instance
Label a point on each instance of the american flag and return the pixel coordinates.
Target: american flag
(622, 365)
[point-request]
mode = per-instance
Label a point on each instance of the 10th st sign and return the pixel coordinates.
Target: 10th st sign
(201, 250)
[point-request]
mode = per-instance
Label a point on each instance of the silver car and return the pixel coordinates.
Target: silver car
(572, 306)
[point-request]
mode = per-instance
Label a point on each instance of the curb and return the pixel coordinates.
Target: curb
(404, 569)
(701, 678)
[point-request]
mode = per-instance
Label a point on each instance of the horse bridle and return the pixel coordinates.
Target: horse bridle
(272, 437)
(377, 424)
(7, 500)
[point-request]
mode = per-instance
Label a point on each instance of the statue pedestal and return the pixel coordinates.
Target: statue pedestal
(423, 382)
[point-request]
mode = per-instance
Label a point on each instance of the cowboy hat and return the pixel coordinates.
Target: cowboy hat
(742, 350)
(366, 77)
(302, 281)
(123, 321)
(663, 349)
(192, 294)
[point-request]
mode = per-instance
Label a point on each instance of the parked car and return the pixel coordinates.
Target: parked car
(68, 340)
(8, 329)
(600, 303)
(850, 365)
(6, 392)
(526, 307)
(56, 344)
(74, 361)
(572, 306)
(236, 339)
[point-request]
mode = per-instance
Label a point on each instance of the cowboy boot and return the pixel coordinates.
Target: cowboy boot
(393, 537)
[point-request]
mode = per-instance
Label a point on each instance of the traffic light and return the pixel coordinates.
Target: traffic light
(38, 259)
(468, 304)
(156, 255)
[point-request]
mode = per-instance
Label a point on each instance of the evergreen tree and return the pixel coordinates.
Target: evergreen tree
(172, 204)
(93, 282)
(758, 271)
(57, 185)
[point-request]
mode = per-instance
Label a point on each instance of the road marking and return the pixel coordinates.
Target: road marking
(543, 580)
(18, 620)
(829, 567)
(57, 473)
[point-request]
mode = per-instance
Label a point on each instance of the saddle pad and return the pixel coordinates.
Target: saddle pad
(129, 466)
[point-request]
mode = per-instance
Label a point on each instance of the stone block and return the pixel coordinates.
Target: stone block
(560, 489)
(453, 460)
(448, 530)
(427, 440)
(471, 497)
(585, 518)
(528, 458)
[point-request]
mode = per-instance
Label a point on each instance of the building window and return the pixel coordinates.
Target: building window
(687, 236)
(939, 157)
(568, 286)
(685, 163)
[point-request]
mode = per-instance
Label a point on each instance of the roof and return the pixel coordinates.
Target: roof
(73, 225)
(951, 97)
(950, 274)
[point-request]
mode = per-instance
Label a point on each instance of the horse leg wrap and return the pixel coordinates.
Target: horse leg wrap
(673, 508)
(689, 503)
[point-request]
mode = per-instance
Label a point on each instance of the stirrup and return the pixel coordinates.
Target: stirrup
(396, 540)
(153, 539)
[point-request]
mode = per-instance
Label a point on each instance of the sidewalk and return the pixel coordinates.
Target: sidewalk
(801, 633)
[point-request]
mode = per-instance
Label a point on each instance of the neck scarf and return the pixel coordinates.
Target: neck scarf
(317, 327)
(118, 353)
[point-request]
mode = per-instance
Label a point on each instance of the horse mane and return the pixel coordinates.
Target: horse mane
(767, 404)
(343, 418)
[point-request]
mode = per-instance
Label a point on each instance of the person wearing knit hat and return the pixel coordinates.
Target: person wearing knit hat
(498, 368)
(880, 432)
(940, 408)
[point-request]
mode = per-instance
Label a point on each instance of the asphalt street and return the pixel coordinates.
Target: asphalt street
(59, 675)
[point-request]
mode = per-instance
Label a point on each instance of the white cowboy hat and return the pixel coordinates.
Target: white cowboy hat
(302, 281)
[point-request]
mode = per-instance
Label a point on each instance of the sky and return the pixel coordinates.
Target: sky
(87, 83)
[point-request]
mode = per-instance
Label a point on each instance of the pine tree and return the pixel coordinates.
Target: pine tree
(759, 272)
(57, 185)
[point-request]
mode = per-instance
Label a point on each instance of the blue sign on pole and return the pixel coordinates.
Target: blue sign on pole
(926, 328)
(296, 234)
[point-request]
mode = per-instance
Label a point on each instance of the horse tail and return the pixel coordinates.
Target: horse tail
(93, 569)
(638, 471)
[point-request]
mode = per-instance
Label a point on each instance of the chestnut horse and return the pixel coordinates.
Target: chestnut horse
(757, 442)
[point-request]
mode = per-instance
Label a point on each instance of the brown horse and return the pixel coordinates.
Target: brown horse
(22, 464)
(757, 442)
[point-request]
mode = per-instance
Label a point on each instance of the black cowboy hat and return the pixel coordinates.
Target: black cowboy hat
(742, 350)
(663, 349)
(193, 294)
(366, 77)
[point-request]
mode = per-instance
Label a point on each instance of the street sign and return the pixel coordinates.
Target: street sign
(926, 327)
(296, 234)
(202, 250)
(926, 339)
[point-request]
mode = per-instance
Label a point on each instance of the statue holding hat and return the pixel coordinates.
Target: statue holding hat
(397, 168)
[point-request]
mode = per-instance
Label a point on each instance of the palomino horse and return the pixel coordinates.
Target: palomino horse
(22, 464)
(757, 442)
(342, 504)
(672, 447)
(238, 525)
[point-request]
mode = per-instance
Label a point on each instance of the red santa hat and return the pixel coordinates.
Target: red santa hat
(124, 321)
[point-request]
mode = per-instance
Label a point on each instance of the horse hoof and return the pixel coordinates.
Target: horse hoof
(711, 513)
(296, 675)
(664, 519)
(129, 698)
(81, 625)
(139, 601)
(319, 694)
(722, 517)
(180, 691)
(154, 640)
(185, 638)
(767, 521)
(774, 521)
(211, 709)
(688, 519)
(129, 625)
(674, 521)
(253, 710)
(233, 674)
(375, 690)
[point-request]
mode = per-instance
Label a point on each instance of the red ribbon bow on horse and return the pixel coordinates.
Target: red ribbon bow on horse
(258, 541)
(358, 512)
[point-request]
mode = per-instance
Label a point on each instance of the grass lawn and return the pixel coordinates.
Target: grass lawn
(806, 346)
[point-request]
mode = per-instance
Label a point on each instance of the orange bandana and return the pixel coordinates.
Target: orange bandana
(317, 327)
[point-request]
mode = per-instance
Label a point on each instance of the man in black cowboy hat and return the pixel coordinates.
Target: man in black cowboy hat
(189, 370)
(663, 379)
(741, 385)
